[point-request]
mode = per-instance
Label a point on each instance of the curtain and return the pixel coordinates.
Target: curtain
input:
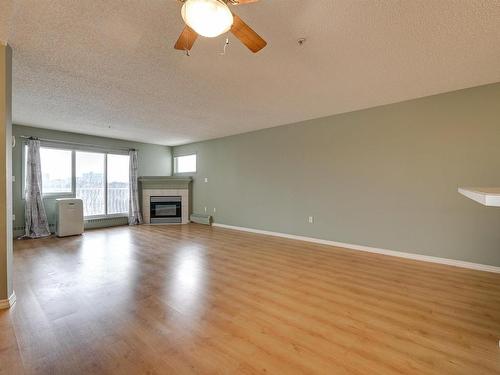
(36, 224)
(134, 210)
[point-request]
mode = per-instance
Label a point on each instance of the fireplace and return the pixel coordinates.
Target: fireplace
(165, 209)
(160, 190)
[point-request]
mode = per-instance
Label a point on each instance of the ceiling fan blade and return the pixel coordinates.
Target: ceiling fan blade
(246, 35)
(186, 39)
(239, 2)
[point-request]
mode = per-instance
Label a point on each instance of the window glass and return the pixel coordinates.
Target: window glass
(101, 179)
(90, 181)
(118, 172)
(185, 164)
(56, 170)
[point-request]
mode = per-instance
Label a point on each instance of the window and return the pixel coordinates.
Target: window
(90, 182)
(100, 179)
(56, 170)
(118, 183)
(185, 164)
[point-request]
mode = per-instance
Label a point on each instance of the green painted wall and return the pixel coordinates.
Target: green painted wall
(384, 177)
(154, 160)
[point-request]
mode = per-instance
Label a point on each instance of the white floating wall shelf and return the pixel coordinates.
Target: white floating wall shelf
(485, 196)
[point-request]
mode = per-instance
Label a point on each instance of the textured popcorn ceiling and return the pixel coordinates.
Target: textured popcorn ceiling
(108, 67)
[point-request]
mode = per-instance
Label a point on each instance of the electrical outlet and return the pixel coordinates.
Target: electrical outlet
(205, 209)
(206, 179)
(311, 219)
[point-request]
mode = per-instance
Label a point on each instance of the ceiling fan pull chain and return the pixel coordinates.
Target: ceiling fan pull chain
(225, 47)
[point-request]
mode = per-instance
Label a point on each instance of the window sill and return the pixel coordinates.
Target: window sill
(58, 195)
(54, 196)
(104, 217)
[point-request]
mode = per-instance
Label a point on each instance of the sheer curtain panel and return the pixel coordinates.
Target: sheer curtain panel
(36, 223)
(134, 212)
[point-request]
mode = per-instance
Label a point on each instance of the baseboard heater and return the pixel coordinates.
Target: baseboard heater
(201, 219)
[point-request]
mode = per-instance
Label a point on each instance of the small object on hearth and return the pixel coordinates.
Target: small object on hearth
(201, 219)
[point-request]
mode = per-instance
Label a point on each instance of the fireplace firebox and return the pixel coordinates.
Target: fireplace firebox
(166, 210)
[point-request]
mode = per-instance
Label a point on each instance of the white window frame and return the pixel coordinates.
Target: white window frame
(74, 149)
(176, 165)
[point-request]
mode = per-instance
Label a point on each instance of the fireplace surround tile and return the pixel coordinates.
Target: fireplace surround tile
(165, 186)
(148, 193)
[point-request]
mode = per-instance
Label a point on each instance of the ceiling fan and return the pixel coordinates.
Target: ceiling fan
(211, 18)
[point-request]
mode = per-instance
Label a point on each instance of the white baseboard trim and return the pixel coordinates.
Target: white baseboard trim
(400, 254)
(8, 303)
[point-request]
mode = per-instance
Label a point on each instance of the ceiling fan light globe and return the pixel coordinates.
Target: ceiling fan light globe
(209, 18)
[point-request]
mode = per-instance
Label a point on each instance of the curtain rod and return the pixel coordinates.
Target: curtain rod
(78, 144)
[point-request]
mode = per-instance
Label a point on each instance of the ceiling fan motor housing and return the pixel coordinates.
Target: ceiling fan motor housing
(209, 18)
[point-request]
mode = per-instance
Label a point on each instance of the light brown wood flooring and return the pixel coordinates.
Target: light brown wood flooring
(193, 299)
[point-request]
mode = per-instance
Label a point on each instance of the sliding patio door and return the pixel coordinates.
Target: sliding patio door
(118, 181)
(91, 182)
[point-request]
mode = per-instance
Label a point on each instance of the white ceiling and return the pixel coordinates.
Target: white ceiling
(108, 67)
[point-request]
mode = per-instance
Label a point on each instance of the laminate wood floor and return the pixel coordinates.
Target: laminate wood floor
(198, 300)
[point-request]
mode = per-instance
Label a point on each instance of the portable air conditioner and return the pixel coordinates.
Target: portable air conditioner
(69, 216)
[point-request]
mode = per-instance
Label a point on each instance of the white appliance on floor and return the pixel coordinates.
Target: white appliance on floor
(69, 216)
